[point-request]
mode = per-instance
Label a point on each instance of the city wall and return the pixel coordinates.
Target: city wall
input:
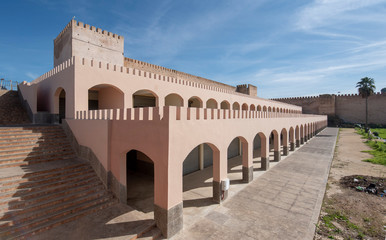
(350, 108)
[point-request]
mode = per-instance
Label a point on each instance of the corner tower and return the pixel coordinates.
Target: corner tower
(83, 40)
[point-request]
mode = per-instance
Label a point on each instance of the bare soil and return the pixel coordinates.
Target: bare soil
(348, 213)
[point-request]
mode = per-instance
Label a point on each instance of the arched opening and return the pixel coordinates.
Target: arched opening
(237, 155)
(258, 108)
(211, 103)
(198, 171)
(274, 145)
(297, 136)
(174, 99)
(244, 107)
(195, 102)
(105, 96)
(140, 181)
(265, 112)
(224, 105)
(60, 104)
(236, 106)
(145, 98)
(260, 150)
(252, 107)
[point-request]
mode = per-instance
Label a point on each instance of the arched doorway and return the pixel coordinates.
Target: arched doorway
(174, 99)
(260, 150)
(145, 98)
(197, 171)
(140, 181)
(224, 105)
(236, 106)
(195, 102)
(211, 103)
(238, 161)
(105, 96)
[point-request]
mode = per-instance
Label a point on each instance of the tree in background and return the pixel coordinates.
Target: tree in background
(366, 87)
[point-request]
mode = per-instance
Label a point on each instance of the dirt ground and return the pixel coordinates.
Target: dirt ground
(347, 213)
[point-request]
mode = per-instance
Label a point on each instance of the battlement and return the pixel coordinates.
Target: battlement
(324, 96)
(80, 39)
(247, 89)
(129, 62)
(78, 24)
(180, 113)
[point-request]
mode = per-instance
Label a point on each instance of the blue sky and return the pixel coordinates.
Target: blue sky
(285, 48)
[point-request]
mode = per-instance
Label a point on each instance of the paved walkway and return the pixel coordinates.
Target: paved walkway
(283, 203)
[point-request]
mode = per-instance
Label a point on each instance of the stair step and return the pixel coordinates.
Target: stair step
(43, 174)
(28, 193)
(31, 135)
(35, 160)
(32, 148)
(37, 152)
(35, 173)
(40, 181)
(52, 207)
(25, 206)
(57, 218)
(10, 141)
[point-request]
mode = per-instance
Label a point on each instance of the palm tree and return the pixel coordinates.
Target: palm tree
(366, 87)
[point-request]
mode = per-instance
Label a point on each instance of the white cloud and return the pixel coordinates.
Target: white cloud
(328, 12)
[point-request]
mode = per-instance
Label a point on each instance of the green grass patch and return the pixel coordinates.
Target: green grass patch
(378, 147)
(381, 132)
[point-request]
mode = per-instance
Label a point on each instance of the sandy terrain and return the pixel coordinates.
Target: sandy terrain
(353, 214)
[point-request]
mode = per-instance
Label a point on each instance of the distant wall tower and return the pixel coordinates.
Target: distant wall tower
(247, 89)
(79, 39)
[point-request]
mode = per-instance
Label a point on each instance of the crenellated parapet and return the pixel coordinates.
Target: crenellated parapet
(79, 39)
(179, 113)
(80, 25)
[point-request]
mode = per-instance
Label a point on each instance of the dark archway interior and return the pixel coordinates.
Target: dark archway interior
(62, 105)
(140, 181)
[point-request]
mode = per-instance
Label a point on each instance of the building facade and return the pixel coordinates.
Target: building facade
(129, 116)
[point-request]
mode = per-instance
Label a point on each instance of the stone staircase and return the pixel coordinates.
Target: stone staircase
(11, 110)
(42, 183)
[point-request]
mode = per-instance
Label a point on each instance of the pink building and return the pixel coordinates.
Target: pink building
(130, 117)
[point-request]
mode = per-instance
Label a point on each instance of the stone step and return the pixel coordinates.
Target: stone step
(30, 139)
(54, 206)
(37, 199)
(32, 129)
(36, 159)
(57, 218)
(9, 143)
(32, 147)
(32, 135)
(9, 155)
(28, 193)
(38, 181)
(35, 176)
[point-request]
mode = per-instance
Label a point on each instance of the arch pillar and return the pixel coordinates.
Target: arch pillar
(247, 158)
(276, 148)
(264, 153)
(292, 140)
(220, 173)
(285, 143)
(168, 209)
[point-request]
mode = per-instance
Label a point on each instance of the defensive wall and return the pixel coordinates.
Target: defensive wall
(112, 106)
(351, 108)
